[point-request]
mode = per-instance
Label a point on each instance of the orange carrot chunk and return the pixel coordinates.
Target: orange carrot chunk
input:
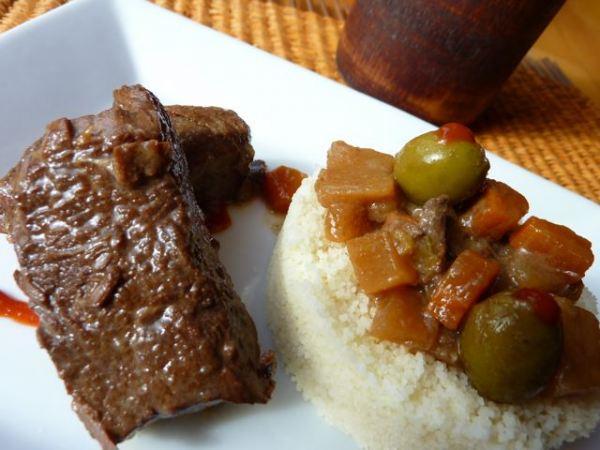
(345, 221)
(279, 187)
(579, 370)
(379, 210)
(497, 211)
(463, 284)
(355, 175)
(563, 248)
(401, 318)
(377, 265)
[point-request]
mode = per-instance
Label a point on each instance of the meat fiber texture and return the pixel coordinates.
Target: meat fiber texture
(216, 143)
(379, 393)
(136, 311)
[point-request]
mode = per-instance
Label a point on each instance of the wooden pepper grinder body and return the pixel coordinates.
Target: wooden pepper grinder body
(443, 60)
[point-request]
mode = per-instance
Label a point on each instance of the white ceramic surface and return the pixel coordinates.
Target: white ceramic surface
(67, 62)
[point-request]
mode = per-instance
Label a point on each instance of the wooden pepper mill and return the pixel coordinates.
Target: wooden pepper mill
(442, 60)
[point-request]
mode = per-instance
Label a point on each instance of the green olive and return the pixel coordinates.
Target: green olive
(508, 350)
(428, 167)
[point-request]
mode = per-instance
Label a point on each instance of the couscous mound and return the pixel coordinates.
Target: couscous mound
(382, 395)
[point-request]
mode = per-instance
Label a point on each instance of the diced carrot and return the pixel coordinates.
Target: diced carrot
(400, 220)
(497, 211)
(342, 156)
(355, 175)
(379, 210)
(377, 265)
(463, 284)
(346, 220)
(563, 248)
(279, 187)
(579, 370)
(401, 318)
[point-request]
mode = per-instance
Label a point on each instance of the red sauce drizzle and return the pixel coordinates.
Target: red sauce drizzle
(279, 187)
(17, 311)
(451, 132)
(544, 306)
(218, 219)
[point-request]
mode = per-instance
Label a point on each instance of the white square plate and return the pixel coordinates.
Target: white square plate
(67, 63)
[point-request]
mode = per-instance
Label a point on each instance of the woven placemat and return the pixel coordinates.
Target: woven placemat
(539, 120)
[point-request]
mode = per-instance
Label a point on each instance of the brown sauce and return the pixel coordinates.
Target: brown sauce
(277, 188)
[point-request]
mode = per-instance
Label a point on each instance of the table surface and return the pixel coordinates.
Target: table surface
(573, 41)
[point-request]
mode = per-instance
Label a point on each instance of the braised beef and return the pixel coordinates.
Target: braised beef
(458, 240)
(216, 143)
(252, 185)
(523, 269)
(137, 313)
(430, 255)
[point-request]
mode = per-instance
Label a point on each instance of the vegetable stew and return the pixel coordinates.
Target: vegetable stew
(446, 256)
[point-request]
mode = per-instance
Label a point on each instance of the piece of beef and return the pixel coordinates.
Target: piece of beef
(253, 184)
(136, 311)
(216, 142)
(430, 253)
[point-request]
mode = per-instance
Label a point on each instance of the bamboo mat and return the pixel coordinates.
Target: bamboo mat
(539, 120)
